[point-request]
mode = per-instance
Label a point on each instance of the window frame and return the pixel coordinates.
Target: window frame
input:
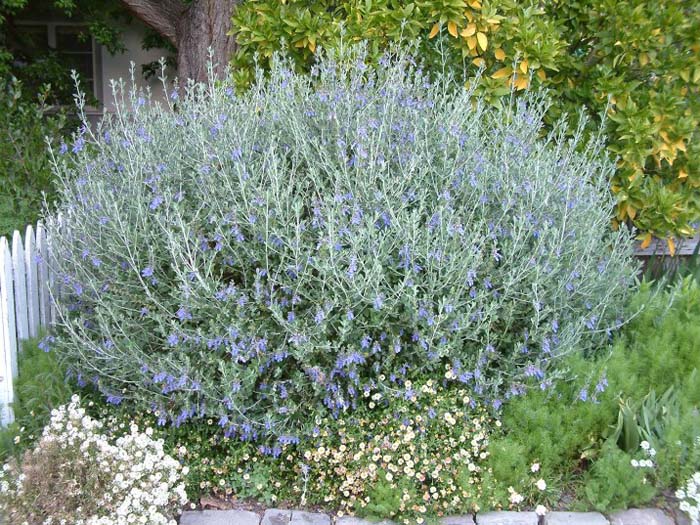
(96, 52)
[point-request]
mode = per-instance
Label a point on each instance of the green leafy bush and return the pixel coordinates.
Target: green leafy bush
(24, 159)
(639, 56)
(613, 483)
(264, 258)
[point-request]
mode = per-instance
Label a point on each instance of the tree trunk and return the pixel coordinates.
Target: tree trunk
(193, 29)
(202, 27)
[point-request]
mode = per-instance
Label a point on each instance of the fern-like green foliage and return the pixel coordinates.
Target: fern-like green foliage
(40, 387)
(585, 433)
(613, 483)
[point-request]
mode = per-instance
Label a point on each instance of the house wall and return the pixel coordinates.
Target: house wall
(118, 66)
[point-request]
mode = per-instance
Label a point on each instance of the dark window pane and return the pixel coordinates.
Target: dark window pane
(82, 63)
(29, 40)
(73, 38)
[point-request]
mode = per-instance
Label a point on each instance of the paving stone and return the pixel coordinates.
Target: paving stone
(219, 517)
(507, 518)
(353, 520)
(309, 518)
(682, 518)
(465, 519)
(276, 517)
(640, 517)
(575, 518)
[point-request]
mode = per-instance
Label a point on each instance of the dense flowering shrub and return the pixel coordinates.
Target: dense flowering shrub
(78, 475)
(264, 258)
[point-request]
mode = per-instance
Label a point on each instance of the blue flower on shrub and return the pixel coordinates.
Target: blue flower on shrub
(183, 314)
(602, 384)
(45, 344)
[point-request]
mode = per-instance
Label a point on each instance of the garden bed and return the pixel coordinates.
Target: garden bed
(365, 291)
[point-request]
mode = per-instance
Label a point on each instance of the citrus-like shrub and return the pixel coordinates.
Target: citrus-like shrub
(640, 56)
(266, 258)
(76, 474)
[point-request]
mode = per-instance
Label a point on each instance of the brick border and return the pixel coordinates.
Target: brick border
(299, 517)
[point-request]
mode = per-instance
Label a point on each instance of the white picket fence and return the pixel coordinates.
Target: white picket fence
(25, 303)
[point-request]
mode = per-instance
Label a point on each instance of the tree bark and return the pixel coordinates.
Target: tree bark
(193, 29)
(204, 27)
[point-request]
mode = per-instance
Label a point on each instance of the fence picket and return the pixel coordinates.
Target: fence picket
(30, 262)
(43, 276)
(20, 287)
(8, 345)
(57, 288)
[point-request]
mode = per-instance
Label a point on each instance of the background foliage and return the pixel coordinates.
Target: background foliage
(25, 168)
(46, 70)
(640, 56)
(37, 95)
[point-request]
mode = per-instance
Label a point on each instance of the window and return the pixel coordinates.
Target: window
(78, 52)
(61, 45)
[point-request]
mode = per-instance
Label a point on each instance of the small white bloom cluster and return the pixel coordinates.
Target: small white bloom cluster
(515, 498)
(144, 482)
(648, 462)
(690, 498)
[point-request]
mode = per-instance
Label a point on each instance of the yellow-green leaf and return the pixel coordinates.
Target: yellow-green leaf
(452, 28)
(483, 40)
(502, 73)
(434, 31)
(469, 30)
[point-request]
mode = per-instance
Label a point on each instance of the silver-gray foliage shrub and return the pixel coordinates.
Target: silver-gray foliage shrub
(267, 258)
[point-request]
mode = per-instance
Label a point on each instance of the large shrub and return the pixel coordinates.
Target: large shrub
(641, 56)
(265, 258)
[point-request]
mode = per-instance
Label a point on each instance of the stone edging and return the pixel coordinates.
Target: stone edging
(298, 517)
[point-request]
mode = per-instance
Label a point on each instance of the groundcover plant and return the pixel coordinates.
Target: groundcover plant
(77, 474)
(266, 258)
